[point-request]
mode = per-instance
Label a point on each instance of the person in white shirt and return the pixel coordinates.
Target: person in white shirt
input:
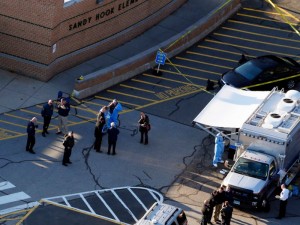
(283, 197)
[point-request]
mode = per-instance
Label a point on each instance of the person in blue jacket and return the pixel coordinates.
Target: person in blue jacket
(219, 150)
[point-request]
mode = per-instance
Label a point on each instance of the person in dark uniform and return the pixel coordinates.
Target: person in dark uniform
(283, 197)
(68, 143)
(31, 135)
(144, 125)
(219, 199)
(113, 133)
(98, 129)
(207, 211)
(229, 195)
(47, 113)
(226, 213)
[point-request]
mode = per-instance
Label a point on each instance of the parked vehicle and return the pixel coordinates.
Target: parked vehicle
(162, 214)
(267, 152)
(263, 73)
(121, 205)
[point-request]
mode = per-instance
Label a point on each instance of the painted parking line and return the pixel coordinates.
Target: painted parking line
(256, 41)
(178, 91)
(261, 35)
(222, 50)
(14, 124)
(262, 18)
(210, 56)
(171, 80)
(22, 118)
(194, 69)
(150, 83)
(135, 88)
(6, 134)
(122, 102)
(259, 26)
(13, 197)
(250, 48)
(189, 76)
(205, 63)
(18, 208)
(132, 96)
(6, 185)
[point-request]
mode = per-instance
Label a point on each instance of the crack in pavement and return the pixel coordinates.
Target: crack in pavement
(86, 153)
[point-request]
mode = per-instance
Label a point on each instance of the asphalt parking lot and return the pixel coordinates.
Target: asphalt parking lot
(178, 160)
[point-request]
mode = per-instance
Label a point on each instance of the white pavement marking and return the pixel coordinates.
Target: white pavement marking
(6, 185)
(19, 207)
(13, 197)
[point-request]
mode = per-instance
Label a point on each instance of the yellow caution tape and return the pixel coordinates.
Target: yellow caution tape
(273, 81)
(279, 11)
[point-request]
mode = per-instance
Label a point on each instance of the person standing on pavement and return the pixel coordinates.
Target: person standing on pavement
(113, 133)
(207, 210)
(144, 127)
(229, 195)
(31, 135)
(219, 150)
(68, 143)
(98, 129)
(63, 111)
(283, 197)
(219, 199)
(226, 213)
(47, 113)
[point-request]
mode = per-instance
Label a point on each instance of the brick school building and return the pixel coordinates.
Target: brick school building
(40, 38)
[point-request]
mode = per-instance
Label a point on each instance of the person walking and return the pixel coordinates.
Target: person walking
(283, 197)
(144, 127)
(207, 210)
(226, 213)
(31, 135)
(113, 133)
(47, 113)
(98, 129)
(63, 111)
(68, 143)
(219, 199)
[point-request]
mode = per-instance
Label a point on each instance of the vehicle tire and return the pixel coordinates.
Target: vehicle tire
(265, 205)
(290, 84)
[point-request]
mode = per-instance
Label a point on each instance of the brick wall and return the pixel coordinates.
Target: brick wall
(30, 29)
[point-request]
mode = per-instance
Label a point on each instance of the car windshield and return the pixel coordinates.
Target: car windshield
(249, 70)
(251, 168)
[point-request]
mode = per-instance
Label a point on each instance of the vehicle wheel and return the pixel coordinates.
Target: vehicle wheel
(265, 205)
(290, 84)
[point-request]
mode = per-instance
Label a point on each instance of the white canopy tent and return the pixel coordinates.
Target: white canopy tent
(230, 107)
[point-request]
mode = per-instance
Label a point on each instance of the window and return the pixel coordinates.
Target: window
(70, 2)
(272, 169)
